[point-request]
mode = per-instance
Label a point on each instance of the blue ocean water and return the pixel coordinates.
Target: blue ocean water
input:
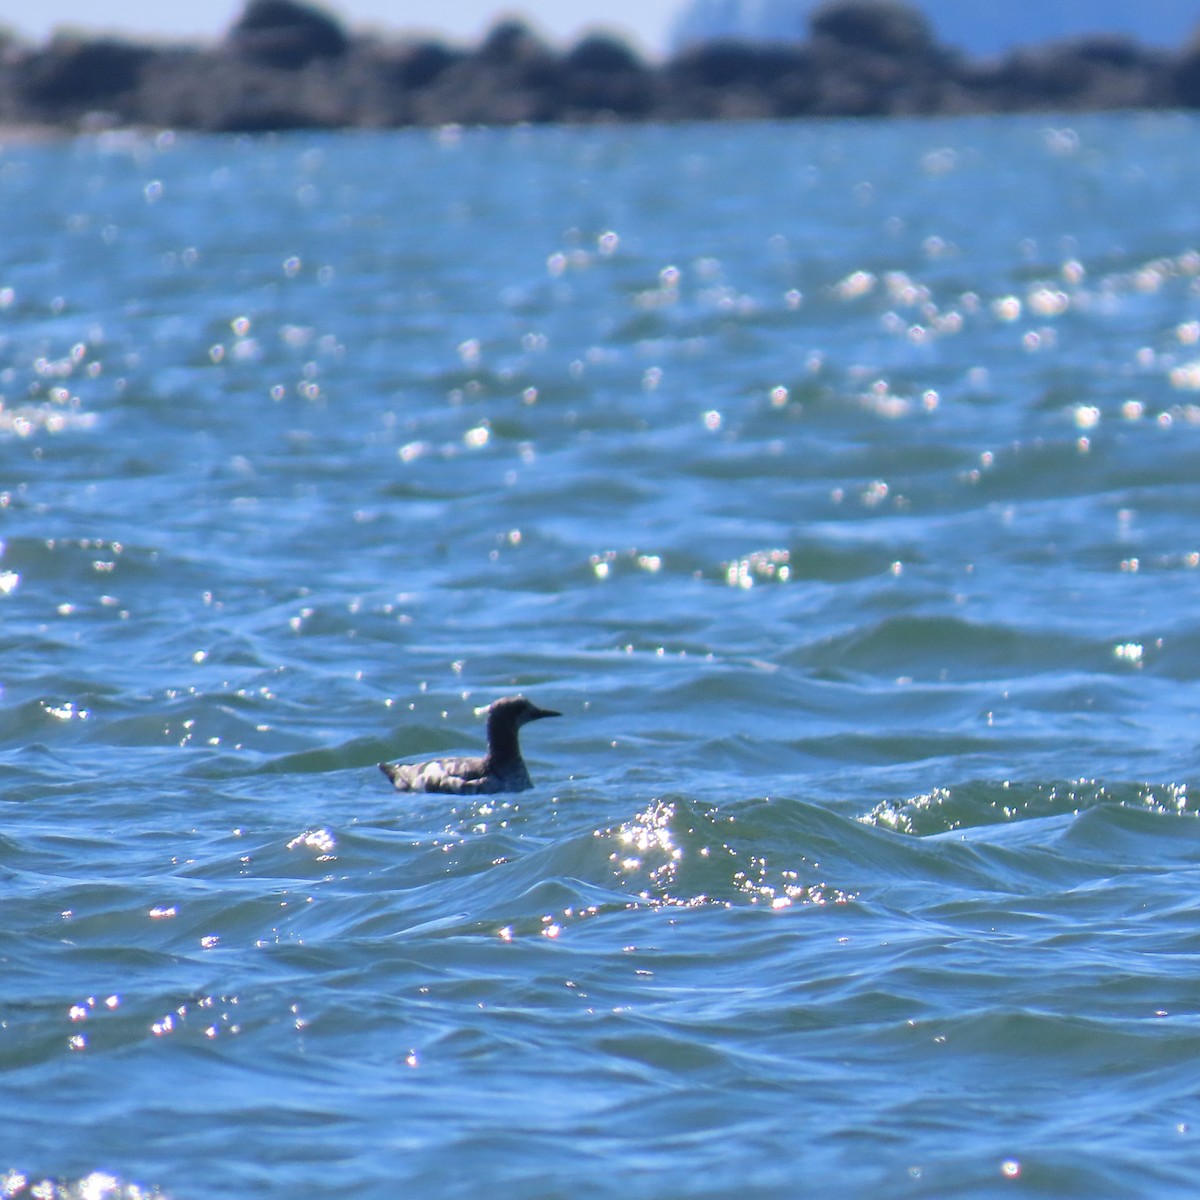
(838, 482)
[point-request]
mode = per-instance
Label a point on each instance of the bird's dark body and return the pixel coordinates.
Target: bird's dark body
(502, 769)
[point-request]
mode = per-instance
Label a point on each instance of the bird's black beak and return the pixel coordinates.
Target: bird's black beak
(544, 712)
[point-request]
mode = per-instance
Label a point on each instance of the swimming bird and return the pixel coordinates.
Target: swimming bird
(501, 769)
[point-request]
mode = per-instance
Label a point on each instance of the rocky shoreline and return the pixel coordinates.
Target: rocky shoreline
(287, 65)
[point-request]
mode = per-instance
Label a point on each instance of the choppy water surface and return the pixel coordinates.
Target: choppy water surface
(838, 483)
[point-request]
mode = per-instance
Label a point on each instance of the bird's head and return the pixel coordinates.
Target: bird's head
(511, 712)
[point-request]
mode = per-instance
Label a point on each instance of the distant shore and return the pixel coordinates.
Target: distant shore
(287, 65)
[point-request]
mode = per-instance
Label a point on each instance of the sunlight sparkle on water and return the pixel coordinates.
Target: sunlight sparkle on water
(1130, 652)
(762, 566)
(855, 285)
(98, 1186)
(655, 427)
(320, 841)
(648, 835)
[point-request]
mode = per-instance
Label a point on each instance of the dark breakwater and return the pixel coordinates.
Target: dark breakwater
(285, 65)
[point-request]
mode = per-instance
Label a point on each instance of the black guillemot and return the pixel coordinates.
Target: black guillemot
(502, 769)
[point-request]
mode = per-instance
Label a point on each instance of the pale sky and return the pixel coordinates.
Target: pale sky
(644, 22)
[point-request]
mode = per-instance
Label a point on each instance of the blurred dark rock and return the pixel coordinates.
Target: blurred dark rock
(732, 79)
(876, 26)
(603, 79)
(284, 33)
(288, 65)
(509, 44)
(71, 73)
(1186, 73)
(419, 65)
(217, 93)
(1085, 75)
(602, 55)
